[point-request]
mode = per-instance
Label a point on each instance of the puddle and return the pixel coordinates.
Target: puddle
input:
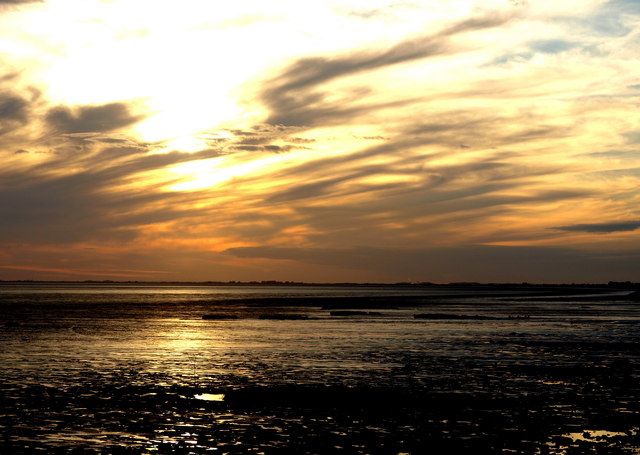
(594, 435)
(210, 396)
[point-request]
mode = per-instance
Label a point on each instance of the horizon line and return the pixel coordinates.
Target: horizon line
(310, 283)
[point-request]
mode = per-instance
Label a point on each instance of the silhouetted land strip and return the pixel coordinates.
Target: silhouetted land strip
(343, 313)
(283, 316)
(468, 317)
(455, 317)
(397, 301)
(556, 287)
(627, 297)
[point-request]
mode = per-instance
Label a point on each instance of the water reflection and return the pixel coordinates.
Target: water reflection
(595, 435)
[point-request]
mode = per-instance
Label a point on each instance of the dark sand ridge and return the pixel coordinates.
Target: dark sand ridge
(395, 301)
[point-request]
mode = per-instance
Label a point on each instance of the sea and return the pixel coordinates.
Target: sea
(149, 368)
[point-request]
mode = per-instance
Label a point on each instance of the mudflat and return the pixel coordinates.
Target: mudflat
(185, 369)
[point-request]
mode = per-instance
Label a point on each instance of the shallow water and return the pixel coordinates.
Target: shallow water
(102, 368)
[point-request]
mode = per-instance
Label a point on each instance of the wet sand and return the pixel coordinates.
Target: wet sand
(145, 373)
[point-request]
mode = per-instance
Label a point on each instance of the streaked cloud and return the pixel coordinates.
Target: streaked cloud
(294, 98)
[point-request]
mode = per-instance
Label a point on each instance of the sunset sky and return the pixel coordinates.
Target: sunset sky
(351, 140)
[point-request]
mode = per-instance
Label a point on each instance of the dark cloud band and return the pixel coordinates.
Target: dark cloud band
(90, 119)
(602, 228)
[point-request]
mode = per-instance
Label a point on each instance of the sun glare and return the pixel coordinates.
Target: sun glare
(202, 174)
(184, 82)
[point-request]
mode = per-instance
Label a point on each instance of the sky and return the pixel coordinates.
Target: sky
(324, 141)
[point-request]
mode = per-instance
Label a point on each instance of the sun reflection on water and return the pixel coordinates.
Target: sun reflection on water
(210, 396)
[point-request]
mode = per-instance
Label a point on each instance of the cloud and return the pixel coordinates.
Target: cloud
(409, 194)
(259, 138)
(92, 119)
(83, 191)
(602, 228)
(385, 11)
(266, 148)
(554, 46)
(293, 97)
(623, 6)
(633, 137)
(14, 113)
(409, 154)
(551, 46)
(413, 144)
(612, 18)
(416, 180)
(17, 2)
(615, 154)
(13, 108)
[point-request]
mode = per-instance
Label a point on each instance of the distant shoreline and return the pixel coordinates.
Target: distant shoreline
(412, 285)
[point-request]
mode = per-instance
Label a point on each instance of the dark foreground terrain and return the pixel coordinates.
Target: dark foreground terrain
(140, 371)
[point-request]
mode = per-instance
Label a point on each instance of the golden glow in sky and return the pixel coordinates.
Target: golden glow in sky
(320, 141)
